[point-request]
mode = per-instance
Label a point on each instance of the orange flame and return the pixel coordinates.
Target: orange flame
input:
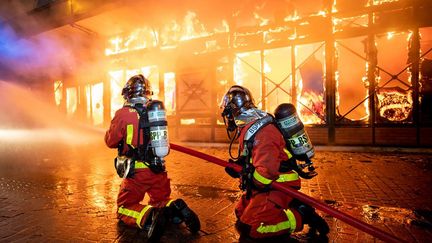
(315, 103)
(395, 105)
(169, 36)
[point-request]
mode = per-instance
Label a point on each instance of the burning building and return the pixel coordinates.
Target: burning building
(359, 72)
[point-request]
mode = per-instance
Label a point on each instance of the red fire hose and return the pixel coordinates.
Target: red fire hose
(302, 197)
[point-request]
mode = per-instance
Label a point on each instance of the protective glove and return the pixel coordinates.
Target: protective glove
(229, 169)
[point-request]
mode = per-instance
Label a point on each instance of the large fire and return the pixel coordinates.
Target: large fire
(312, 108)
(169, 35)
(395, 106)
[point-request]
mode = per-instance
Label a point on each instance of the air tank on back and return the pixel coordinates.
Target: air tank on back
(293, 132)
(158, 128)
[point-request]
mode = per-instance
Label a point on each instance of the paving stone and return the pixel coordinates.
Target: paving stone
(71, 196)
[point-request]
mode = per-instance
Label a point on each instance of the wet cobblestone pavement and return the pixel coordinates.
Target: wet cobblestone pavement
(56, 191)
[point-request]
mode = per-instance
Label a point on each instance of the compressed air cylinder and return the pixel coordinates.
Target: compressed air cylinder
(158, 128)
(293, 132)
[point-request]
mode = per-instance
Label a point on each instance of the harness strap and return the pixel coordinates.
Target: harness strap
(141, 150)
(248, 169)
(251, 132)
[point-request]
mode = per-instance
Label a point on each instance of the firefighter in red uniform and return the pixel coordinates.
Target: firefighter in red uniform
(134, 131)
(263, 213)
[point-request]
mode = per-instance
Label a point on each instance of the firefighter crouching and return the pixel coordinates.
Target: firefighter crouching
(263, 213)
(139, 132)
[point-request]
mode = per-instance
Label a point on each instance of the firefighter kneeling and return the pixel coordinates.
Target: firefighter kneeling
(264, 213)
(139, 132)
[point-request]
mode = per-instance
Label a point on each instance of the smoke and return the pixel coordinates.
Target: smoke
(25, 114)
(23, 56)
(22, 107)
(32, 52)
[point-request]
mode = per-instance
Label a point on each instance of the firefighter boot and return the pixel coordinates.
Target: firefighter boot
(180, 209)
(156, 224)
(311, 218)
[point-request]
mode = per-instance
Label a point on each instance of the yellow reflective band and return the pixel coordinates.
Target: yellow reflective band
(140, 165)
(261, 178)
(134, 214)
(169, 202)
(129, 134)
(291, 219)
(288, 153)
(289, 224)
(288, 177)
(143, 211)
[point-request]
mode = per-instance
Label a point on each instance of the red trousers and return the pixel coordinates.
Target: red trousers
(268, 214)
(132, 191)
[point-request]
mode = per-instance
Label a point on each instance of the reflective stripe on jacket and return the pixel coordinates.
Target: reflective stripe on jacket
(267, 154)
(123, 128)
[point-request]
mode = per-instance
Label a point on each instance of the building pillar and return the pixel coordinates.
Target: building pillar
(330, 86)
(372, 62)
(263, 81)
(293, 76)
(414, 58)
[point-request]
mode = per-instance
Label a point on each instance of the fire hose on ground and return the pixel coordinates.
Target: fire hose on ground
(300, 196)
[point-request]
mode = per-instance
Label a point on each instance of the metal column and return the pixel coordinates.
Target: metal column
(293, 76)
(263, 81)
(330, 87)
(414, 57)
(372, 62)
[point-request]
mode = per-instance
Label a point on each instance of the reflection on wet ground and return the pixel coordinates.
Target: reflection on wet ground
(63, 187)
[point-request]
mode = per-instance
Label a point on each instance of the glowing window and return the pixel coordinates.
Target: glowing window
(187, 121)
(351, 78)
(117, 82)
(170, 98)
(97, 103)
(88, 101)
(277, 68)
(58, 92)
(247, 72)
(71, 101)
(310, 66)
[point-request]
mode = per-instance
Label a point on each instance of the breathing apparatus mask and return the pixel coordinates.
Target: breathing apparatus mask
(236, 101)
(227, 115)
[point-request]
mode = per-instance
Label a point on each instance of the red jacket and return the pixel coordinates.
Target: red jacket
(118, 129)
(267, 154)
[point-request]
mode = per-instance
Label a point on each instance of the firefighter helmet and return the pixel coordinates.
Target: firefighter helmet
(137, 90)
(237, 100)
